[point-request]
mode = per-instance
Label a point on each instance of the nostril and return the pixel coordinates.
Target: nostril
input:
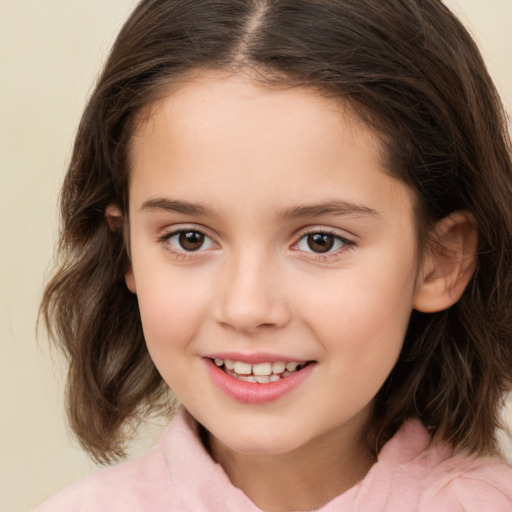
(266, 325)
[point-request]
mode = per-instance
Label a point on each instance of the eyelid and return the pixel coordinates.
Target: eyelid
(177, 227)
(328, 230)
(348, 242)
(169, 232)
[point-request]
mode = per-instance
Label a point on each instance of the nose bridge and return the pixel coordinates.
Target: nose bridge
(251, 296)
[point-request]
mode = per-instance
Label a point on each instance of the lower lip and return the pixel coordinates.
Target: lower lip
(254, 392)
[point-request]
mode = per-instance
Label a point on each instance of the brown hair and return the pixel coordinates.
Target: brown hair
(409, 69)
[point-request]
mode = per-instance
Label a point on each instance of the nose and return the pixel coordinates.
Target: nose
(251, 295)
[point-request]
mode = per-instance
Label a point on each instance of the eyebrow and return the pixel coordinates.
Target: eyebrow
(335, 207)
(173, 205)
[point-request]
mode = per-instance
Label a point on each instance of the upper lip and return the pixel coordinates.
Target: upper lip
(255, 358)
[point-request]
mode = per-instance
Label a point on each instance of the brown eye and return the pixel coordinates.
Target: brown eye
(320, 242)
(191, 240)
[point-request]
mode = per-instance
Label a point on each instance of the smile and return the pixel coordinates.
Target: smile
(261, 373)
(259, 381)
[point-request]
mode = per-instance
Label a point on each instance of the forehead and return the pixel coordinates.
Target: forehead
(223, 104)
(217, 135)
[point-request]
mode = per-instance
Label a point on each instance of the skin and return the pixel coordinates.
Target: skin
(252, 158)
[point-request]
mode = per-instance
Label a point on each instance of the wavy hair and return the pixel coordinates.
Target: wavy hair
(412, 72)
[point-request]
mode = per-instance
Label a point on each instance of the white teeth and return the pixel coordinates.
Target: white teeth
(262, 373)
(262, 369)
(247, 378)
(278, 367)
(242, 368)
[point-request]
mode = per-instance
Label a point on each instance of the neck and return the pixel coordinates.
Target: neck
(304, 479)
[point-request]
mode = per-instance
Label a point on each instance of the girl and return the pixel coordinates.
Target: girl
(295, 216)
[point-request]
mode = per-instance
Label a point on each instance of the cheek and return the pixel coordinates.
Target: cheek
(171, 310)
(170, 318)
(363, 300)
(363, 323)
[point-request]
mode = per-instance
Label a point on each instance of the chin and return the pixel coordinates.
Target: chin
(259, 440)
(261, 445)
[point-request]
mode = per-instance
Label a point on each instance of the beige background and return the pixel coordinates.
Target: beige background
(50, 52)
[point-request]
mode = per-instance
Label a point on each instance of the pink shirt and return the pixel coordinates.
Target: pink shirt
(178, 475)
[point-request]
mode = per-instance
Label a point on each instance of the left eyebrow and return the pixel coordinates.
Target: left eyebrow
(336, 207)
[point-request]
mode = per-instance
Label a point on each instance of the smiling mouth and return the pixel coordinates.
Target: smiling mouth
(261, 373)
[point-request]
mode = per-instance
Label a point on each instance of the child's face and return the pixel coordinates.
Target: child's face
(265, 229)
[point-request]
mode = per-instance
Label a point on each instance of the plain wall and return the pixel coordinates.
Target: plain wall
(50, 52)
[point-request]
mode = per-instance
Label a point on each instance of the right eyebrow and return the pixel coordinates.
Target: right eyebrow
(173, 205)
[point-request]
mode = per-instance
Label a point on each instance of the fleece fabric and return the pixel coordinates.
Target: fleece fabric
(178, 475)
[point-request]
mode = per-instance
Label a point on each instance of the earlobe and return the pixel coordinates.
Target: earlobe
(448, 264)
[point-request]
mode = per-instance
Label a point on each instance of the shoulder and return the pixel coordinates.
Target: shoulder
(144, 484)
(470, 484)
(139, 484)
(178, 474)
(419, 475)
(473, 483)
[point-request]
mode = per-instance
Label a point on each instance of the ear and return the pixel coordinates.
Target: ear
(129, 279)
(448, 264)
(114, 217)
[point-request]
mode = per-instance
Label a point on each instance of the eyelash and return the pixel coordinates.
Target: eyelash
(184, 254)
(342, 243)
